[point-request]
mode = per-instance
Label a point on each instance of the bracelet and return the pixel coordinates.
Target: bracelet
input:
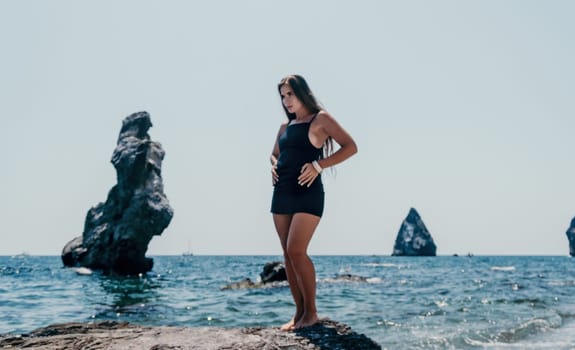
(316, 166)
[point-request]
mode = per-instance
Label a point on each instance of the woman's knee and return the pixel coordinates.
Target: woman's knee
(294, 252)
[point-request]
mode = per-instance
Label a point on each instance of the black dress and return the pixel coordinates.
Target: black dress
(296, 150)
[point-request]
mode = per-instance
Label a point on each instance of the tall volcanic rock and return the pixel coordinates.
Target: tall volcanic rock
(117, 233)
(413, 239)
(571, 236)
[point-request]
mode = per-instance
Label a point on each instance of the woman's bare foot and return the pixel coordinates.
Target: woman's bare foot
(288, 326)
(306, 321)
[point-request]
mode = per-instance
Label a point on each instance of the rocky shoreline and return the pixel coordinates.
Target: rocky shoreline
(326, 335)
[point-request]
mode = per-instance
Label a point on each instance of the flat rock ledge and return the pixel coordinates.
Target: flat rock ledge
(325, 335)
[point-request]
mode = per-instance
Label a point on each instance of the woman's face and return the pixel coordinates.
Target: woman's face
(290, 100)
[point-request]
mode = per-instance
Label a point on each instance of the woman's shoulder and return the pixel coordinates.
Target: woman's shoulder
(324, 117)
(283, 126)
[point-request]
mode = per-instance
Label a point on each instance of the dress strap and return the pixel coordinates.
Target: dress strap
(310, 121)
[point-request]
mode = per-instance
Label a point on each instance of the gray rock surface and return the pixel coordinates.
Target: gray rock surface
(413, 239)
(571, 237)
(117, 233)
(327, 335)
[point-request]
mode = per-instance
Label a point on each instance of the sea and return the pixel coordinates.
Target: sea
(444, 302)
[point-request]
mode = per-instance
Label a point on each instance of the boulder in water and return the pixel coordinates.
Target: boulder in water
(117, 233)
(273, 272)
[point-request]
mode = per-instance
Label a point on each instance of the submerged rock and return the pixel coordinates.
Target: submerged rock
(413, 239)
(117, 233)
(571, 237)
(272, 272)
(326, 335)
(243, 284)
(350, 278)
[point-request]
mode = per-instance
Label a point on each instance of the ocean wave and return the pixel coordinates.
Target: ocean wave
(514, 336)
(9, 270)
(397, 266)
(346, 277)
(528, 328)
(561, 283)
(503, 268)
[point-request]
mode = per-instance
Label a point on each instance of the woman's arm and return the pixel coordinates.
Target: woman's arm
(329, 127)
(326, 127)
(275, 154)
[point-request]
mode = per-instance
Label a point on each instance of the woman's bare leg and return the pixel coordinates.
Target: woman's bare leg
(301, 230)
(282, 224)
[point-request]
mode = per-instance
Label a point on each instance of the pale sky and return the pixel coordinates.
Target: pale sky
(463, 110)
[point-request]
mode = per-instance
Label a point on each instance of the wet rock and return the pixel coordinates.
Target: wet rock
(326, 335)
(333, 335)
(117, 232)
(273, 272)
(413, 239)
(245, 283)
(571, 237)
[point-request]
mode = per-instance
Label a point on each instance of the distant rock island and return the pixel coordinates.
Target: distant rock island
(571, 237)
(117, 233)
(413, 239)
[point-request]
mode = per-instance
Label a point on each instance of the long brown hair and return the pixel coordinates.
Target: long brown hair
(302, 91)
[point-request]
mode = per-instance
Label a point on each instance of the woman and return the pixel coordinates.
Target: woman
(303, 148)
